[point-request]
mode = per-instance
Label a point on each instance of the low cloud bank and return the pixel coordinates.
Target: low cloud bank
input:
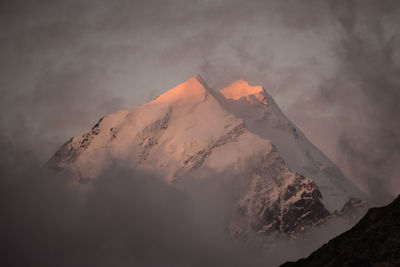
(127, 218)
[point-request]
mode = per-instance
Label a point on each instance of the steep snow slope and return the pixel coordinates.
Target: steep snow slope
(240, 130)
(268, 122)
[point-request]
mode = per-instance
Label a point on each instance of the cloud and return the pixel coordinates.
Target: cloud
(333, 67)
(365, 90)
(128, 217)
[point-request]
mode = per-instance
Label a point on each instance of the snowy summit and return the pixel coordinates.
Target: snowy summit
(192, 129)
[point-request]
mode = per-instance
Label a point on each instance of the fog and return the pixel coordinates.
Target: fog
(127, 217)
(332, 66)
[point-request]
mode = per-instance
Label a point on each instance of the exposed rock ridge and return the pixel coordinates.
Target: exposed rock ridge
(373, 241)
(280, 200)
(194, 161)
(70, 150)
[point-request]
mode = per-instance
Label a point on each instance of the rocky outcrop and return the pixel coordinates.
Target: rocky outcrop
(279, 200)
(70, 151)
(373, 241)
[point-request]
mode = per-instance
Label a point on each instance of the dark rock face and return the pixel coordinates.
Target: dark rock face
(306, 211)
(280, 200)
(373, 241)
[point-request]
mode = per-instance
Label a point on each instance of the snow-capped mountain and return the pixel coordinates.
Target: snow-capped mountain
(239, 130)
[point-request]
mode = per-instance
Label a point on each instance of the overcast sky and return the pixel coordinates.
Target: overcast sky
(332, 66)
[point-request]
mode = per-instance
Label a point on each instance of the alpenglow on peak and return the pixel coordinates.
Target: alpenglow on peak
(238, 132)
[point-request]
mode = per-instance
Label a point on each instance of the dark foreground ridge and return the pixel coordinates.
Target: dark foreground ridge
(373, 241)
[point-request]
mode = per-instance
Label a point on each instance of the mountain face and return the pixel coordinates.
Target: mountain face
(373, 241)
(193, 130)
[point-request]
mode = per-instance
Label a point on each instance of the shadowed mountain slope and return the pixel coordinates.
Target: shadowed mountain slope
(373, 241)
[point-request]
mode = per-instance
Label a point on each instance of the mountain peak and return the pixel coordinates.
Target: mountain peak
(239, 89)
(242, 89)
(191, 131)
(194, 88)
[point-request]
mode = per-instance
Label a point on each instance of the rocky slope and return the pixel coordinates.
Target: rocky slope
(239, 131)
(373, 241)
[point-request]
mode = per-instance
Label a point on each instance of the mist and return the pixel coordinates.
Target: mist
(127, 217)
(332, 66)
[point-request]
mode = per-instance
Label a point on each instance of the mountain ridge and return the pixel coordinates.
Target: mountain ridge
(192, 127)
(373, 241)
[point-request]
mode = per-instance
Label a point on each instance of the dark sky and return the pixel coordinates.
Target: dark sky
(332, 66)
